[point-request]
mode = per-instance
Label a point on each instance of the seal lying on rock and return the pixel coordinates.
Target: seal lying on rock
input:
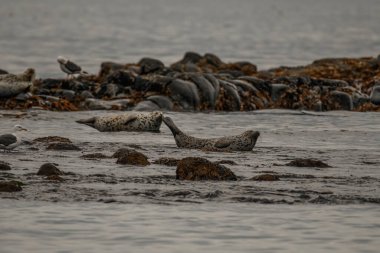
(243, 142)
(130, 121)
(12, 85)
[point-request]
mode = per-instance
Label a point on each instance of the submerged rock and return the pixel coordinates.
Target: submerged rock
(307, 163)
(266, 177)
(4, 166)
(49, 169)
(196, 168)
(62, 146)
(131, 157)
(10, 186)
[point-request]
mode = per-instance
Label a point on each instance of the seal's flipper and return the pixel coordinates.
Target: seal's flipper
(130, 119)
(223, 143)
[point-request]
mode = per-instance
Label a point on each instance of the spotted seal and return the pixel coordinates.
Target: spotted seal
(130, 121)
(242, 142)
(12, 85)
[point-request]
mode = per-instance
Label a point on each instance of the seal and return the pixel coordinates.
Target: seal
(242, 142)
(11, 84)
(130, 121)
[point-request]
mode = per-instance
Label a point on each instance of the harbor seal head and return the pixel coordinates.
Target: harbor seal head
(242, 142)
(129, 121)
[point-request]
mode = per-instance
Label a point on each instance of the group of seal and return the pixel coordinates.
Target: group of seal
(139, 121)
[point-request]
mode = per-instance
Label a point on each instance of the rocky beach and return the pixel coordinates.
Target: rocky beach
(203, 83)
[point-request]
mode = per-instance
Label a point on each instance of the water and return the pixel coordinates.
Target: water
(109, 207)
(269, 33)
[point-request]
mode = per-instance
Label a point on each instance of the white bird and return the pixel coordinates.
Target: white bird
(69, 67)
(10, 141)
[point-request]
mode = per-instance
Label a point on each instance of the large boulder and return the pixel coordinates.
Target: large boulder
(375, 95)
(196, 168)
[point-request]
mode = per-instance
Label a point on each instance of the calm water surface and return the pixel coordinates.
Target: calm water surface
(111, 207)
(267, 32)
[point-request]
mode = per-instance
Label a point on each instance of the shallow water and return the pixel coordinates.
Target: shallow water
(268, 33)
(105, 206)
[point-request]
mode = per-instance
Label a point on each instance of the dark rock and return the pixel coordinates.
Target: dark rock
(213, 60)
(67, 94)
(52, 139)
(131, 157)
(167, 161)
(149, 65)
(307, 163)
(49, 169)
(154, 83)
(123, 78)
(62, 146)
(4, 166)
(331, 83)
(10, 186)
(51, 83)
(185, 93)
(3, 72)
(342, 100)
(86, 94)
(191, 57)
(106, 68)
(108, 90)
(258, 83)
(163, 102)
(375, 95)
(55, 178)
(231, 95)
(208, 95)
(277, 89)
(196, 168)
(94, 156)
(266, 177)
(231, 73)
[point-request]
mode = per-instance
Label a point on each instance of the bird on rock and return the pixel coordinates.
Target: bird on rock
(69, 67)
(10, 141)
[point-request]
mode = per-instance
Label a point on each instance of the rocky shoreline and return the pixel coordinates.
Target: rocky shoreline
(204, 83)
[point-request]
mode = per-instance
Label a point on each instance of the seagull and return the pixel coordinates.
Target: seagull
(69, 67)
(10, 141)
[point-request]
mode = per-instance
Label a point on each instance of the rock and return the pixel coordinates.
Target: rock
(55, 178)
(196, 168)
(131, 157)
(342, 100)
(149, 65)
(4, 166)
(10, 186)
(185, 93)
(123, 78)
(62, 146)
(86, 94)
(167, 161)
(3, 72)
(307, 163)
(107, 90)
(94, 156)
(52, 139)
(213, 60)
(359, 99)
(163, 102)
(147, 106)
(153, 83)
(375, 95)
(49, 169)
(266, 177)
(191, 57)
(231, 95)
(24, 96)
(277, 89)
(205, 90)
(107, 68)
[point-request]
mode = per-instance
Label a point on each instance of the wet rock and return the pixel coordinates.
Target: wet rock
(3, 72)
(147, 106)
(167, 161)
(149, 65)
(24, 96)
(266, 177)
(152, 83)
(231, 101)
(341, 100)
(195, 168)
(107, 90)
(191, 57)
(123, 78)
(106, 68)
(4, 166)
(62, 146)
(375, 95)
(10, 186)
(94, 156)
(213, 60)
(55, 178)
(277, 89)
(307, 163)
(163, 102)
(49, 139)
(184, 93)
(50, 83)
(49, 169)
(86, 94)
(258, 83)
(131, 157)
(359, 99)
(206, 91)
